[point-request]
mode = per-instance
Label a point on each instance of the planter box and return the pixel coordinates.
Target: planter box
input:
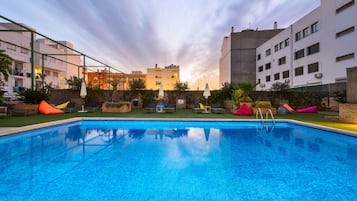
(265, 111)
(348, 112)
(116, 107)
(25, 109)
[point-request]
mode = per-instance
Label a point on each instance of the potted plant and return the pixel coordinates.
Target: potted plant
(243, 93)
(264, 106)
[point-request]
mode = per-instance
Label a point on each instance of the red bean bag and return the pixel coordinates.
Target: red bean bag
(243, 110)
(312, 109)
(45, 108)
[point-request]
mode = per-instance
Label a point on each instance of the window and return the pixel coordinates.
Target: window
(48, 73)
(267, 66)
(24, 51)
(55, 74)
(258, 57)
(286, 41)
(276, 76)
(281, 45)
(345, 6)
(314, 27)
(267, 78)
(259, 81)
(299, 71)
(305, 32)
(11, 47)
(299, 54)
(313, 49)
(267, 52)
(298, 36)
(260, 68)
(312, 68)
(286, 74)
(276, 48)
(345, 57)
(282, 61)
(345, 32)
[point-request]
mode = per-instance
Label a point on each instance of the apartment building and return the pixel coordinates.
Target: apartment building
(314, 51)
(168, 76)
(101, 79)
(17, 45)
(53, 62)
(238, 54)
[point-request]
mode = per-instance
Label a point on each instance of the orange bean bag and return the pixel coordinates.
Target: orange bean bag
(45, 108)
(288, 107)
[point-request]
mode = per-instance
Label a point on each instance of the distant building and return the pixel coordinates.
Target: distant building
(101, 79)
(238, 54)
(168, 76)
(314, 51)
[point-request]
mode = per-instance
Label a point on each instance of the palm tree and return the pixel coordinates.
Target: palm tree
(5, 66)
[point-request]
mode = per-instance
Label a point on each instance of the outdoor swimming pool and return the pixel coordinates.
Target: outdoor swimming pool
(178, 160)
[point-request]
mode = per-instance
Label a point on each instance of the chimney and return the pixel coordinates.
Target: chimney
(232, 29)
(275, 25)
(155, 65)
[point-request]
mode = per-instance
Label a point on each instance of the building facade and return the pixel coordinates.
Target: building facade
(316, 50)
(168, 76)
(238, 54)
(16, 45)
(53, 62)
(101, 79)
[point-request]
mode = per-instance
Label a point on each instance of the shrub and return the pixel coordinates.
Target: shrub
(262, 104)
(35, 96)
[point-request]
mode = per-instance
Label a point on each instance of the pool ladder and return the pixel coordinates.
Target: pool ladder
(267, 114)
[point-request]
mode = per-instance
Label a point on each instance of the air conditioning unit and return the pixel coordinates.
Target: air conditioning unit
(262, 85)
(318, 75)
(287, 80)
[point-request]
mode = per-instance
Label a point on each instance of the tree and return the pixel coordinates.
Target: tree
(5, 66)
(181, 86)
(114, 83)
(74, 83)
(227, 90)
(137, 84)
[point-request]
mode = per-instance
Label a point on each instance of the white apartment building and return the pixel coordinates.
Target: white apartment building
(315, 50)
(55, 71)
(12, 42)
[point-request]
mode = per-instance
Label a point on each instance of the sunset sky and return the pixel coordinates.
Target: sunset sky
(133, 35)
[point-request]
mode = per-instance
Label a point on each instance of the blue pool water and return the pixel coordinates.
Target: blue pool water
(172, 160)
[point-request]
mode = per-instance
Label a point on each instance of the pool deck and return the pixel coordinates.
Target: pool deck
(4, 131)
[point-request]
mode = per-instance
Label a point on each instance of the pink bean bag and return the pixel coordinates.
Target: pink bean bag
(243, 110)
(312, 109)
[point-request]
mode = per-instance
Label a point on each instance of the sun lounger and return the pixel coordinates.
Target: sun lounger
(217, 109)
(150, 108)
(170, 108)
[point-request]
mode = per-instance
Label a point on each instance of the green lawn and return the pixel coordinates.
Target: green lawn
(16, 121)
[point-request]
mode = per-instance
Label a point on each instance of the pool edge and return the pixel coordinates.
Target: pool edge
(15, 130)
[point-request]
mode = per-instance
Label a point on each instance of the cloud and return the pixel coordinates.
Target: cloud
(137, 34)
